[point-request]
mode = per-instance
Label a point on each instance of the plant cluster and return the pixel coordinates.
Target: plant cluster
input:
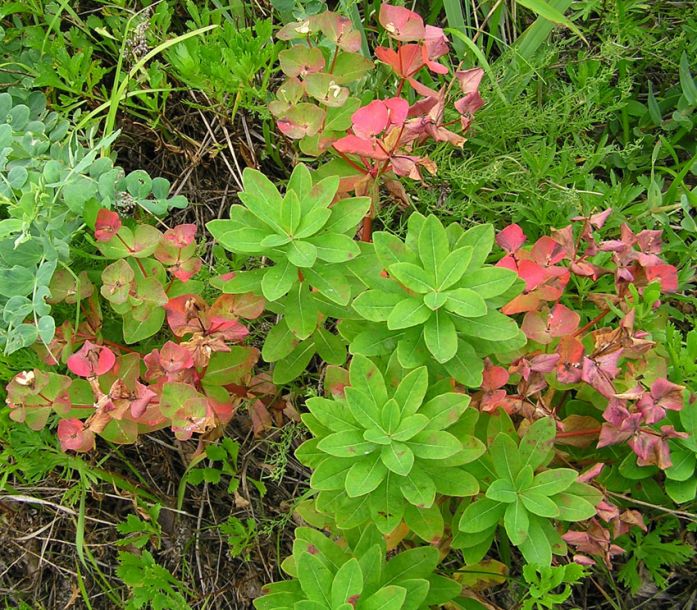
(192, 382)
(472, 397)
(375, 143)
(51, 185)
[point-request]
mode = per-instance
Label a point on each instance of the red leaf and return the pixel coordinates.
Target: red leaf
(187, 269)
(511, 238)
(667, 275)
(370, 120)
(183, 314)
(91, 360)
(358, 146)
(405, 62)
(547, 251)
(175, 358)
(532, 274)
(181, 235)
(401, 23)
(107, 225)
(435, 42)
(569, 367)
(74, 437)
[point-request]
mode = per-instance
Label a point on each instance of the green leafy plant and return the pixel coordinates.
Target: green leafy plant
(652, 552)
(152, 585)
(383, 453)
(523, 495)
(50, 187)
(438, 304)
(542, 582)
(334, 576)
(309, 243)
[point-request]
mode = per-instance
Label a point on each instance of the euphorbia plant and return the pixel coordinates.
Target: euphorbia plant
(310, 242)
(436, 301)
(380, 141)
(192, 382)
(352, 573)
(382, 453)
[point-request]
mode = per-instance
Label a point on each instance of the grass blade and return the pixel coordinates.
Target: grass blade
(551, 13)
(456, 21)
(477, 52)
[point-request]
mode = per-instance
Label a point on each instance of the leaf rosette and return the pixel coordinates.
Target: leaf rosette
(384, 453)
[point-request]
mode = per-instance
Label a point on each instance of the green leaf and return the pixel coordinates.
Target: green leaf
(536, 547)
(411, 391)
(329, 346)
(465, 302)
(376, 305)
(435, 300)
(350, 67)
(409, 426)
(440, 336)
(407, 313)
(347, 443)
(494, 326)
(573, 507)
(331, 283)
(426, 523)
(553, 481)
(539, 504)
(434, 444)
(301, 253)
(363, 408)
(537, 443)
(301, 311)
(300, 181)
(506, 457)
(261, 198)
(330, 474)
(387, 598)
(481, 239)
(398, 457)
(418, 488)
(391, 250)
(466, 366)
(445, 409)
(246, 240)
(516, 522)
(418, 562)
(365, 476)
(315, 578)
(245, 281)
(413, 277)
(293, 365)
(687, 82)
(489, 282)
(481, 515)
(279, 342)
(335, 247)
(451, 269)
(138, 330)
(365, 376)
(502, 490)
(278, 280)
(347, 582)
(339, 119)
(346, 214)
(433, 244)
(681, 491)
(455, 482)
(230, 367)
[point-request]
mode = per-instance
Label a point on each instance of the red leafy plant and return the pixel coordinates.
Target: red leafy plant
(603, 385)
(193, 382)
(379, 142)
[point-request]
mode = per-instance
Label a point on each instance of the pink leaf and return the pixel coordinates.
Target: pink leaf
(435, 42)
(511, 238)
(91, 360)
(107, 225)
(181, 235)
(370, 120)
(401, 23)
(667, 275)
(175, 358)
(74, 437)
(547, 251)
(358, 146)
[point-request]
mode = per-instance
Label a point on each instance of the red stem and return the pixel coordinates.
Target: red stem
(594, 321)
(591, 432)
